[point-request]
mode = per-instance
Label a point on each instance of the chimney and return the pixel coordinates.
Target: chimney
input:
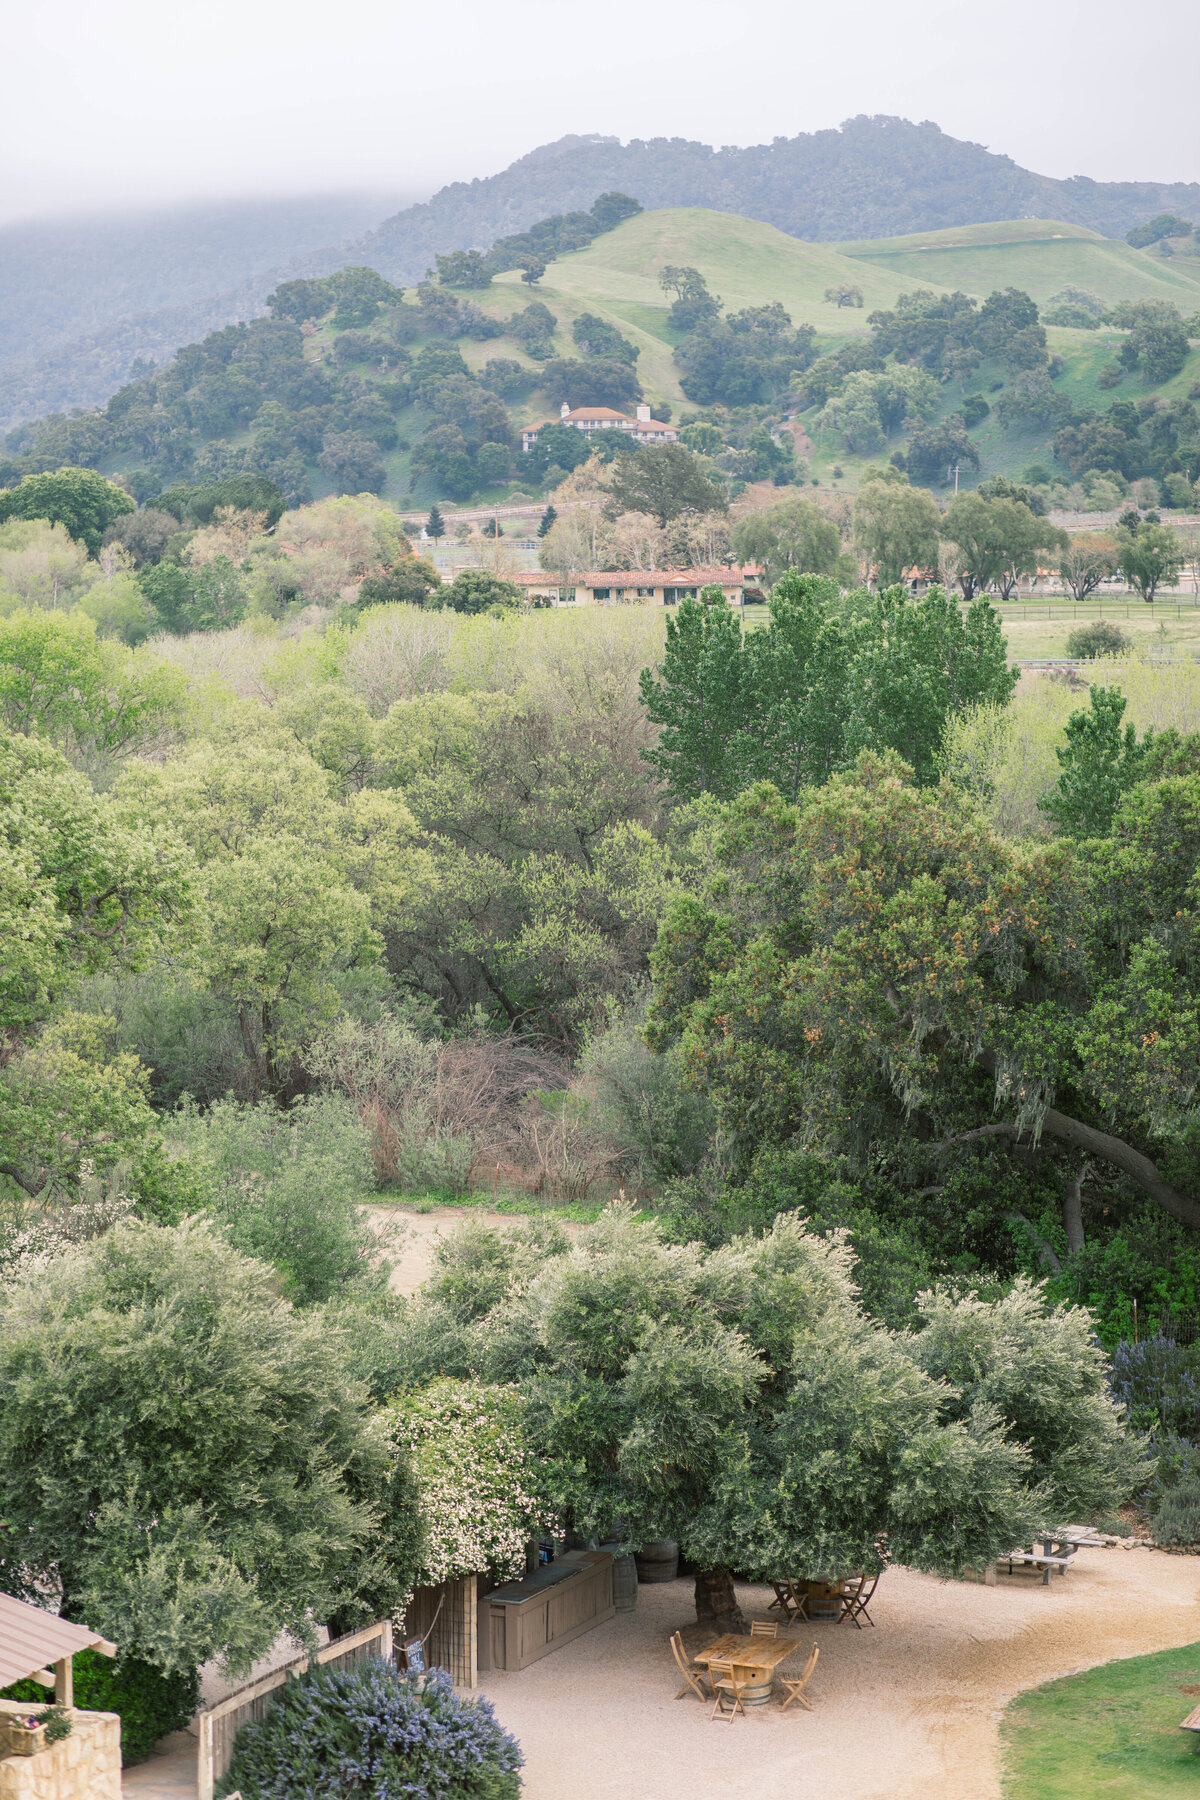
(564, 411)
(643, 413)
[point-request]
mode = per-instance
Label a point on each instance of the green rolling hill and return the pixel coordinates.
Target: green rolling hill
(747, 263)
(1041, 256)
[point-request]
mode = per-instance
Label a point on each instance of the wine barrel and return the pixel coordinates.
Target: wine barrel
(625, 1583)
(658, 1561)
(758, 1692)
(823, 1600)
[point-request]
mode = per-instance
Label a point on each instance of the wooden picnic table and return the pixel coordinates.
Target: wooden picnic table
(761, 1656)
(1056, 1553)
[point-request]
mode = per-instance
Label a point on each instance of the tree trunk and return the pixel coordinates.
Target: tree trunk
(250, 1047)
(1101, 1145)
(716, 1602)
(1073, 1210)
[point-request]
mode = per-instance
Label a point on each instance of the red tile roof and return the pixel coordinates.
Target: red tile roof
(711, 577)
(641, 578)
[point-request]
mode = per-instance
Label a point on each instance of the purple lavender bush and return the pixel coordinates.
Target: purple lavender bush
(372, 1733)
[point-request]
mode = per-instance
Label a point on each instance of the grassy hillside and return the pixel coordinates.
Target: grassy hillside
(1040, 256)
(747, 263)
(750, 264)
(307, 386)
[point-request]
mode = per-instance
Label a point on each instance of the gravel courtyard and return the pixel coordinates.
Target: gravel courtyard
(907, 1711)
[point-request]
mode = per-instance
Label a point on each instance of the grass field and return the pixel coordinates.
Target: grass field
(1109, 1734)
(1040, 256)
(1040, 627)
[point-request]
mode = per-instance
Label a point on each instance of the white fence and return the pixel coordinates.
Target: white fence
(219, 1726)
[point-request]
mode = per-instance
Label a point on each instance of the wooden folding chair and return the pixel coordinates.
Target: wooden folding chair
(724, 1678)
(795, 1689)
(856, 1600)
(784, 1602)
(764, 1628)
(693, 1674)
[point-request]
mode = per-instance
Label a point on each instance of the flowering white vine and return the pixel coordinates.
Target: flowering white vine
(476, 1478)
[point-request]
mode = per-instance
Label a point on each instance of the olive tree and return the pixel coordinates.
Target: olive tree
(185, 1461)
(741, 1401)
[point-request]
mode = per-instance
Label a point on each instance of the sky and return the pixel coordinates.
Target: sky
(120, 104)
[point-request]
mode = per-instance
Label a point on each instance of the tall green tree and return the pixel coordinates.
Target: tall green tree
(94, 697)
(741, 1402)
(794, 682)
(915, 661)
(997, 541)
(90, 883)
(185, 1461)
(664, 480)
(1098, 763)
(298, 880)
(828, 677)
(435, 525)
(896, 527)
(80, 499)
(1149, 556)
(875, 974)
(796, 534)
(696, 698)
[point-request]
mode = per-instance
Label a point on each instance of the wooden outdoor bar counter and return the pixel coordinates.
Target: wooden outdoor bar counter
(525, 1620)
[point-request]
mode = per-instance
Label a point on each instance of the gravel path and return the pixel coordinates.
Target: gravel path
(907, 1711)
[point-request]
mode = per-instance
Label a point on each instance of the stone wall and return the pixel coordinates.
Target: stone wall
(84, 1766)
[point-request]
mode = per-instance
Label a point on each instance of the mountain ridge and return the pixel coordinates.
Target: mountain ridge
(871, 178)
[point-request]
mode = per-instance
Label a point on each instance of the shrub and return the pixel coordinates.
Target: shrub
(429, 1108)
(1177, 1520)
(148, 1703)
(1159, 1381)
(1099, 638)
(288, 1186)
(661, 1127)
(373, 1732)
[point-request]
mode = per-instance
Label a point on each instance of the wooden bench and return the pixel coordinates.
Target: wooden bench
(1192, 1723)
(1037, 1559)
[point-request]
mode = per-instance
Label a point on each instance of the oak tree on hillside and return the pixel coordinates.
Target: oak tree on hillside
(664, 480)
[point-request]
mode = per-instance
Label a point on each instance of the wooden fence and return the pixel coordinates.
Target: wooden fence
(447, 1618)
(219, 1726)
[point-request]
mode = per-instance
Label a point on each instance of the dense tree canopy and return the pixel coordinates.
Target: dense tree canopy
(878, 968)
(81, 500)
(896, 527)
(827, 678)
(741, 1402)
(664, 480)
(997, 540)
(184, 1461)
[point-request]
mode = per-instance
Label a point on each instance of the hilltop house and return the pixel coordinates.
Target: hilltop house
(593, 419)
(640, 587)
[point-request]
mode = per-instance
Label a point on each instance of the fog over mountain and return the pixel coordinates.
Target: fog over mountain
(82, 302)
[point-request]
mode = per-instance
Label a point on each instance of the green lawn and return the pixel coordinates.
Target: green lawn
(1112, 1733)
